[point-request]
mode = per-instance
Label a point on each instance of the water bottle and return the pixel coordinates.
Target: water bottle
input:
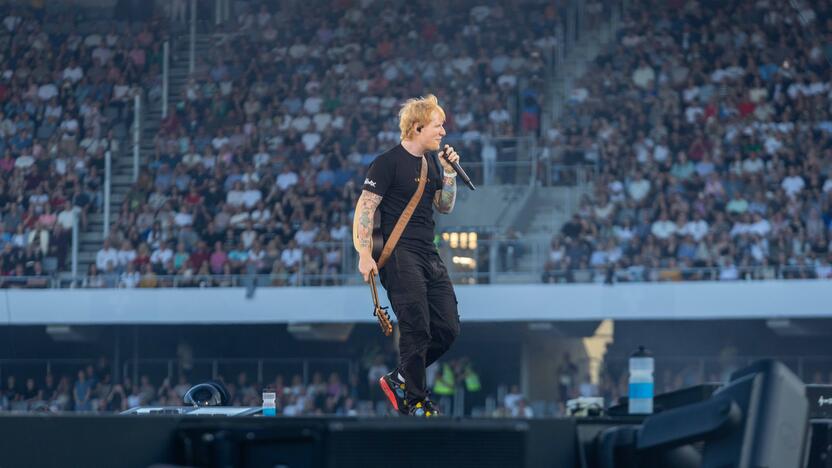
(269, 406)
(641, 382)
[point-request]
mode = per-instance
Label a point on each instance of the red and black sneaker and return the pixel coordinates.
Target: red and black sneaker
(394, 389)
(424, 409)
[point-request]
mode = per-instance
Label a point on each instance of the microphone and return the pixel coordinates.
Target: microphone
(458, 169)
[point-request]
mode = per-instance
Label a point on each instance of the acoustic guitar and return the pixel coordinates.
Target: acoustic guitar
(378, 245)
(379, 312)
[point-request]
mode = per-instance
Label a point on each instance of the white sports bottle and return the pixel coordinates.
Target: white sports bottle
(640, 395)
(269, 406)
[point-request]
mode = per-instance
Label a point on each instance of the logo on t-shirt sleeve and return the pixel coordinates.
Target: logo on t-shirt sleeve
(369, 182)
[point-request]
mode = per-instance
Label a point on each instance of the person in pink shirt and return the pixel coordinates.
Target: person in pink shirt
(7, 162)
(218, 259)
(47, 219)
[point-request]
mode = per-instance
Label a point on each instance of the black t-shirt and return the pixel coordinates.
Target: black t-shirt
(395, 176)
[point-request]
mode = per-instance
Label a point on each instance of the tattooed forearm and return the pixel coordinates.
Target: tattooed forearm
(362, 224)
(446, 198)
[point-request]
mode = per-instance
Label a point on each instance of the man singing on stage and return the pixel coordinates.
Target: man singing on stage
(416, 280)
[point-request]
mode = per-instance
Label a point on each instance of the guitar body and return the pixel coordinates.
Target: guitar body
(378, 238)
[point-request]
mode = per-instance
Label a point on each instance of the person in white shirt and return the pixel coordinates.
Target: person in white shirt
(661, 152)
(624, 232)
(67, 216)
(638, 188)
(728, 271)
(234, 197)
(260, 215)
(73, 72)
(663, 228)
(753, 164)
(249, 235)
(291, 255)
(512, 398)
(760, 226)
(339, 232)
(125, 255)
(522, 410)
(107, 255)
(287, 178)
(47, 92)
(251, 196)
(301, 123)
(192, 157)
(239, 218)
(698, 228)
(488, 153)
(162, 254)
(793, 183)
(310, 140)
(219, 142)
(743, 226)
(262, 157)
(306, 234)
(130, 278)
(184, 217)
(643, 76)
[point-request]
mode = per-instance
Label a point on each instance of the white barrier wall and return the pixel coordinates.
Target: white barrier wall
(703, 300)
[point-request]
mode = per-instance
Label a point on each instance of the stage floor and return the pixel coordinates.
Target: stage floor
(70, 440)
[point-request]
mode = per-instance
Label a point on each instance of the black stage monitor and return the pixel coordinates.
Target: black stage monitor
(759, 419)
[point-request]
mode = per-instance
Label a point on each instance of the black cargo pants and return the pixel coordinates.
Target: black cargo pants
(425, 305)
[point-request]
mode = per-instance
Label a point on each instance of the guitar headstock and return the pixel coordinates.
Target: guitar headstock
(383, 320)
(380, 312)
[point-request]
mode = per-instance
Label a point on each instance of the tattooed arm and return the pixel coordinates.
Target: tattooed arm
(362, 231)
(445, 199)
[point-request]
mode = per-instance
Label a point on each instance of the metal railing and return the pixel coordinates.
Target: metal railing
(137, 134)
(501, 161)
(471, 257)
(609, 375)
(674, 372)
(260, 369)
(165, 77)
(575, 25)
(108, 184)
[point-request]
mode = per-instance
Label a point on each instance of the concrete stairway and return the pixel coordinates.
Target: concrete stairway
(122, 163)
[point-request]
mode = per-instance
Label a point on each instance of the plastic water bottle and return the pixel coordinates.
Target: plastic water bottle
(641, 382)
(269, 406)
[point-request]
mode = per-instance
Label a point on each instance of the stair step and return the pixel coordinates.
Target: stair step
(123, 179)
(93, 218)
(94, 233)
(86, 258)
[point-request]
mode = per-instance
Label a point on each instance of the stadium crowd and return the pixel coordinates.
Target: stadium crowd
(92, 389)
(711, 137)
(710, 125)
(66, 84)
(258, 165)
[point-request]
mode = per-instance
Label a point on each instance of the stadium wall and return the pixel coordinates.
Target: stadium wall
(649, 301)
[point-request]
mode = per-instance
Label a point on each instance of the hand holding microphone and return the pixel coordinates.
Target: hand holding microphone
(449, 155)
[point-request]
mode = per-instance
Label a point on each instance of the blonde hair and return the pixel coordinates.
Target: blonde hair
(417, 112)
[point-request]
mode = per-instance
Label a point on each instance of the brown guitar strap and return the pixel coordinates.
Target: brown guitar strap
(405, 217)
